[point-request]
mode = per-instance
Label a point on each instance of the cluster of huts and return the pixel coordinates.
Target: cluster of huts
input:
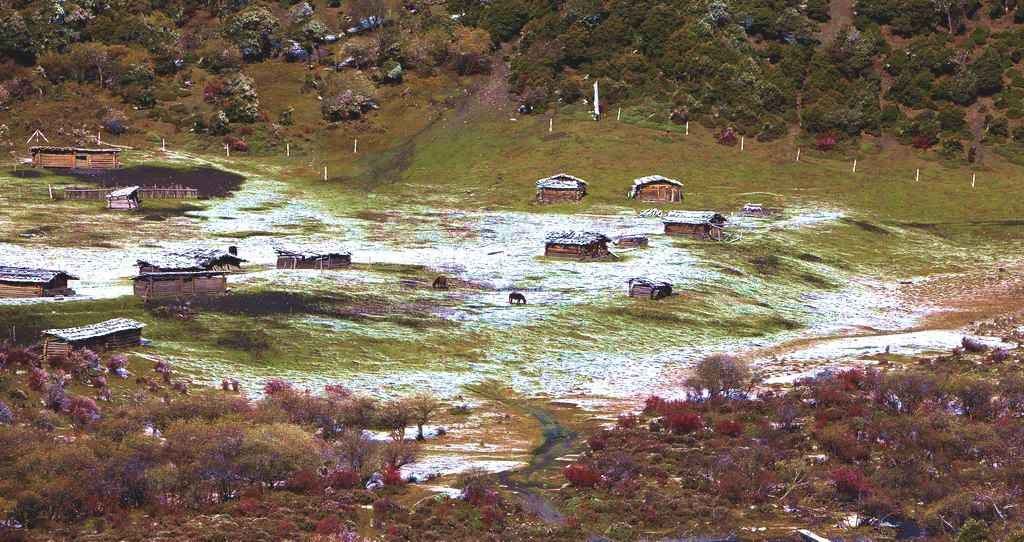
(565, 188)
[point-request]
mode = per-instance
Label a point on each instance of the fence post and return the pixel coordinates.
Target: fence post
(687, 128)
(974, 177)
(227, 150)
(163, 144)
(287, 149)
(355, 146)
(618, 116)
(798, 154)
(855, 165)
(917, 176)
(50, 188)
(743, 141)
(325, 173)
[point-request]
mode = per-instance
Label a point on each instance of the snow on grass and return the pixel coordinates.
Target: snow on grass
(443, 465)
(915, 342)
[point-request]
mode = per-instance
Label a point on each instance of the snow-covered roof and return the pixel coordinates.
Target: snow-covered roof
(649, 282)
(642, 181)
(576, 238)
(124, 193)
(197, 259)
(31, 276)
(310, 252)
(101, 329)
(692, 217)
(562, 181)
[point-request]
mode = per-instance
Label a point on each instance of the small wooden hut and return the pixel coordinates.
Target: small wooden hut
(759, 211)
(312, 258)
(632, 241)
(649, 288)
(699, 224)
(180, 284)
(199, 259)
(75, 158)
(656, 189)
(124, 199)
(21, 282)
(579, 245)
(561, 188)
(115, 334)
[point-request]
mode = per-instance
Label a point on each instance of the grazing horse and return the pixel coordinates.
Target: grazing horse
(441, 283)
(516, 298)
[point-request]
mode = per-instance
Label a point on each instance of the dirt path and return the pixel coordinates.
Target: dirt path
(976, 122)
(840, 14)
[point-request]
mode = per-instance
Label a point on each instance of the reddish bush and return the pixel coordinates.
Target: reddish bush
(597, 441)
(392, 476)
(82, 409)
(728, 137)
(250, 506)
(38, 379)
(328, 526)
(236, 144)
(627, 421)
(849, 482)
(245, 130)
(274, 386)
(304, 482)
(212, 90)
(337, 391)
(344, 478)
(683, 422)
(285, 529)
(581, 475)
(922, 141)
(827, 142)
(729, 428)
(491, 515)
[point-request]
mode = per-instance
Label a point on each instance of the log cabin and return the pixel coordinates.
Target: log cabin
(561, 188)
(197, 259)
(312, 258)
(180, 284)
(116, 334)
(22, 282)
(632, 241)
(649, 288)
(124, 199)
(759, 211)
(699, 224)
(75, 158)
(578, 245)
(656, 189)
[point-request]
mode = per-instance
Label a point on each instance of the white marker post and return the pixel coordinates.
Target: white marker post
(287, 149)
(163, 144)
(917, 176)
(974, 177)
(855, 165)
(743, 142)
(551, 125)
(325, 173)
(98, 141)
(355, 146)
(687, 128)
(798, 154)
(227, 150)
(618, 116)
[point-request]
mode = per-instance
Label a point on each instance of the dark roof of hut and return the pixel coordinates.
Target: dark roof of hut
(692, 217)
(197, 259)
(31, 276)
(562, 181)
(170, 275)
(129, 192)
(581, 238)
(310, 252)
(643, 181)
(71, 150)
(633, 237)
(101, 329)
(650, 283)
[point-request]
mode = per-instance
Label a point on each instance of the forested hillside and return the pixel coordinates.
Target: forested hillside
(932, 73)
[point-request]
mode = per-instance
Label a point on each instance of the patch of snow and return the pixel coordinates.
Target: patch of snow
(900, 343)
(443, 465)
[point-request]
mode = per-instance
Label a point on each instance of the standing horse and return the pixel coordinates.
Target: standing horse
(441, 283)
(516, 298)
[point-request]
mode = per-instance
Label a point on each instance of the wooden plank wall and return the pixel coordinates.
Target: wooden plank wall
(197, 286)
(548, 195)
(12, 291)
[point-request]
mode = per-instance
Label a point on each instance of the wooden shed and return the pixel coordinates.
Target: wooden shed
(632, 241)
(312, 258)
(20, 282)
(759, 211)
(649, 288)
(656, 189)
(124, 199)
(579, 245)
(180, 284)
(561, 188)
(699, 224)
(115, 334)
(198, 259)
(75, 158)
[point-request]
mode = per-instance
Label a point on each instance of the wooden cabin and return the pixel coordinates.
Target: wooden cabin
(311, 258)
(561, 188)
(578, 245)
(198, 259)
(632, 241)
(698, 224)
(656, 189)
(651, 289)
(180, 284)
(759, 211)
(75, 158)
(21, 282)
(116, 334)
(124, 199)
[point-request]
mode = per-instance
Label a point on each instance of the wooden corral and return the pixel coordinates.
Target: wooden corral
(124, 199)
(198, 259)
(180, 285)
(577, 245)
(651, 289)
(698, 224)
(311, 258)
(116, 334)
(21, 282)
(656, 189)
(760, 211)
(75, 158)
(561, 188)
(632, 241)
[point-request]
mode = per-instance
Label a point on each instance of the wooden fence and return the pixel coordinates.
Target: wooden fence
(155, 192)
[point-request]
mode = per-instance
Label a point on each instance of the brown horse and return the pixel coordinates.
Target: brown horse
(441, 283)
(516, 298)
